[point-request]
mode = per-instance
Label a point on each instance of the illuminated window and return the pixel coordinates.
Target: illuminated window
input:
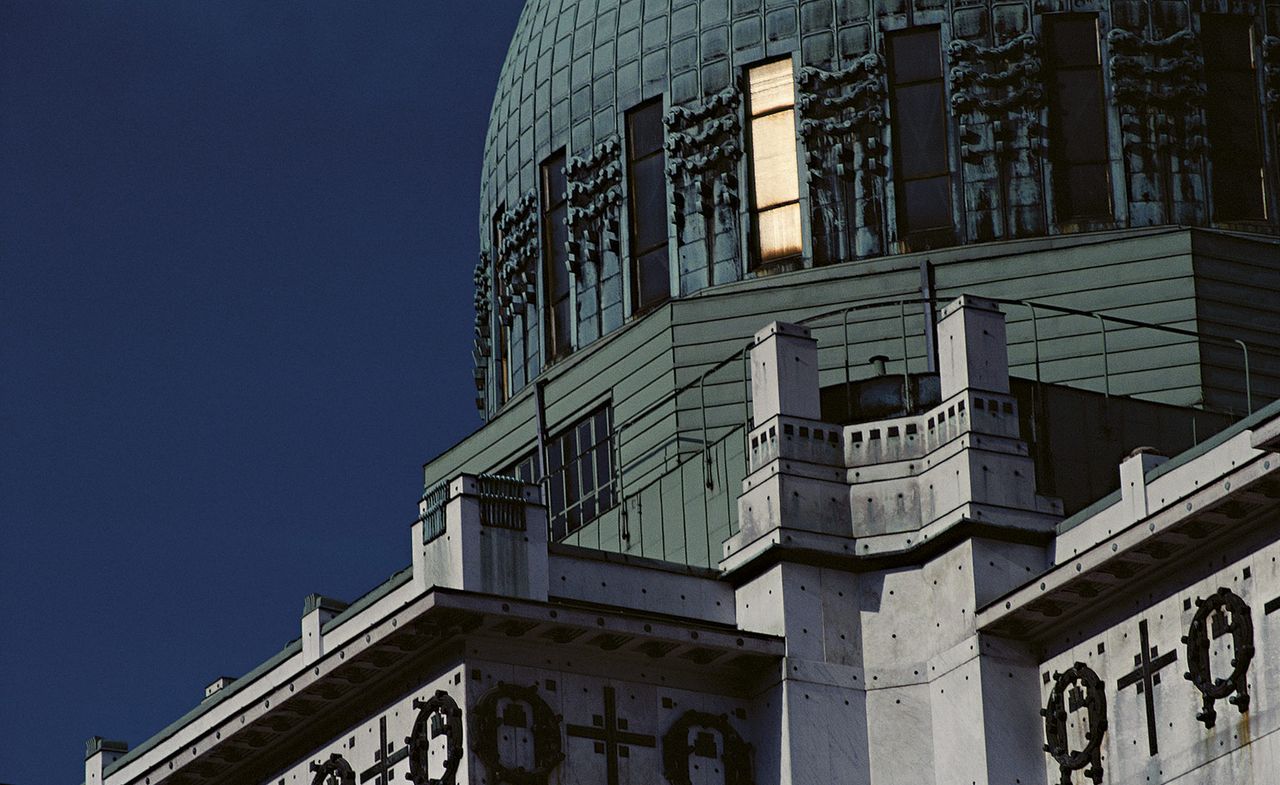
(1077, 117)
(1231, 104)
(646, 165)
(918, 105)
(555, 279)
(775, 175)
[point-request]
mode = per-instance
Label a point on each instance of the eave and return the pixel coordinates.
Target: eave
(301, 705)
(1230, 490)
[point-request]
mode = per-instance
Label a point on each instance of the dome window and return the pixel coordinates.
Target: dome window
(775, 174)
(555, 280)
(1077, 117)
(1231, 104)
(919, 116)
(646, 167)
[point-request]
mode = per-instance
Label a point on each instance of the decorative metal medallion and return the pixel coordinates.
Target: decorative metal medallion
(1076, 688)
(438, 716)
(335, 771)
(1221, 613)
(734, 753)
(544, 725)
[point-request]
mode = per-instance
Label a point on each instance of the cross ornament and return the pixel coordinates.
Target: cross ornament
(385, 758)
(1146, 675)
(611, 737)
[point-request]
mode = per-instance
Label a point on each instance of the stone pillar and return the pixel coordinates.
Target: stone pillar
(811, 724)
(972, 352)
(784, 373)
(317, 610)
(484, 534)
(1133, 481)
(98, 755)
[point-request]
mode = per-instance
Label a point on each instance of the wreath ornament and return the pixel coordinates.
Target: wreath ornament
(1220, 606)
(437, 716)
(676, 749)
(1076, 688)
(334, 771)
(548, 750)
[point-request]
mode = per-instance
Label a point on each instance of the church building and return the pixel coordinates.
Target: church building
(875, 392)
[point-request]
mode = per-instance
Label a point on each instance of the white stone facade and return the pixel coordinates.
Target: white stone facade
(898, 606)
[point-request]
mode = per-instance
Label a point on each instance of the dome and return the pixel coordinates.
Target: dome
(786, 134)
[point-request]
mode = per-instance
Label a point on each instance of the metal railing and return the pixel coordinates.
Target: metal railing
(698, 432)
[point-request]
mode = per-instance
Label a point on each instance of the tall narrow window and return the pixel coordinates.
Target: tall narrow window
(1231, 104)
(1077, 117)
(646, 170)
(502, 365)
(555, 279)
(775, 174)
(918, 105)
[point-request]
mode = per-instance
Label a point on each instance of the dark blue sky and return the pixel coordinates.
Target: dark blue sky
(236, 243)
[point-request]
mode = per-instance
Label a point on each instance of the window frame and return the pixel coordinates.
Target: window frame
(555, 347)
(931, 236)
(634, 252)
(1233, 113)
(1058, 166)
(756, 260)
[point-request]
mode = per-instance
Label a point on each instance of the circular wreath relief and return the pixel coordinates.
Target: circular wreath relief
(335, 771)
(1082, 687)
(1220, 605)
(676, 749)
(437, 716)
(545, 727)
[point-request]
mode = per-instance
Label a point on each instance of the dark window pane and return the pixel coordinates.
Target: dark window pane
(555, 278)
(573, 491)
(1227, 42)
(654, 284)
(1232, 108)
(1237, 193)
(649, 203)
(603, 469)
(920, 130)
(1072, 39)
(1081, 115)
(645, 130)
(587, 473)
(557, 492)
(553, 181)
(1077, 118)
(915, 55)
(1085, 190)
(562, 344)
(1231, 105)
(557, 257)
(928, 204)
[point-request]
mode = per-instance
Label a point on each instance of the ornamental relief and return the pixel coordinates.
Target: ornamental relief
(703, 147)
(997, 92)
(842, 122)
(1218, 648)
(537, 733)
